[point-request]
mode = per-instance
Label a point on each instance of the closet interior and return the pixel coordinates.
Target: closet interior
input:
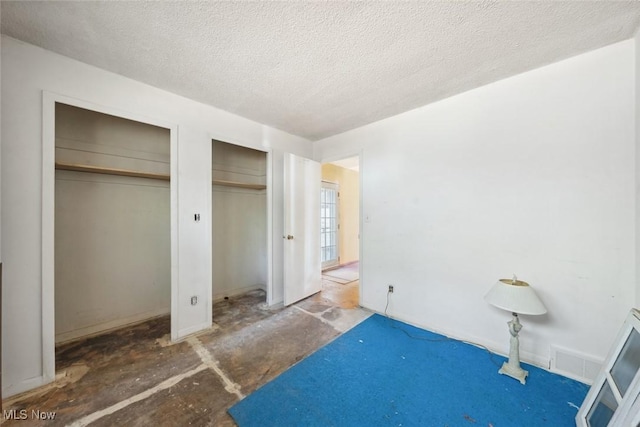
(239, 222)
(112, 222)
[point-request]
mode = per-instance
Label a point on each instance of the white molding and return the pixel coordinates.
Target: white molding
(269, 181)
(361, 280)
(48, 238)
(218, 296)
(184, 333)
(101, 328)
(492, 346)
(175, 253)
(49, 99)
(626, 402)
(23, 386)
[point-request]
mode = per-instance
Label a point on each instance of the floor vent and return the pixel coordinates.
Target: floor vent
(574, 365)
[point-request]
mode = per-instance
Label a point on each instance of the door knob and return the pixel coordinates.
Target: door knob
(289, 237)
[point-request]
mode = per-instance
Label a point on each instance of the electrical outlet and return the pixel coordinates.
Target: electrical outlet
(390, 289)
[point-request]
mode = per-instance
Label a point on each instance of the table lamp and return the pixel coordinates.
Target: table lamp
(517, 297)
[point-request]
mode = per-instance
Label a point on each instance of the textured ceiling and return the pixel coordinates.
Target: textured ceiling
(315, 69)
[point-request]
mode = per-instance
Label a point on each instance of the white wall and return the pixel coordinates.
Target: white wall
(26, 72)
(532, 175)
(112, 252)
(239, 241)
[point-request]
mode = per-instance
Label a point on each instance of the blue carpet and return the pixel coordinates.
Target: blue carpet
(377, 375)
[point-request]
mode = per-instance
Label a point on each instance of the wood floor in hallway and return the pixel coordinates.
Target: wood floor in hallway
(136, 377)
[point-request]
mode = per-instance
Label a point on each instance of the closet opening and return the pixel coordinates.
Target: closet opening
(112, 229)
(239, 227)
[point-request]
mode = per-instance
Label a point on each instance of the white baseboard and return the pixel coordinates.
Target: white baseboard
(494, 347)
(184, 333)
(25, 385)
(217, 296)
(103, 327)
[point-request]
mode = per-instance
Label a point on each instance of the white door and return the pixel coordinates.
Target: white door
(302, 272)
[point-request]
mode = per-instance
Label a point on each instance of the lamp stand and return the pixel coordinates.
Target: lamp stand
(512, 367)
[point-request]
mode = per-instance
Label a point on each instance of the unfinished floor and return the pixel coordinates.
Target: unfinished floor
(136, 377)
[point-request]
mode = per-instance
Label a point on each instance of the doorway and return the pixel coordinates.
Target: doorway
(329, 224)
(239, 221)
(340, 226)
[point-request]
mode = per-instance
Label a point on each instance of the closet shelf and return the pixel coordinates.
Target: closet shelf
(136, 174)
(110, 171)
(239, 184)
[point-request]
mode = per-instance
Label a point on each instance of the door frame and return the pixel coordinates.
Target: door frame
(361, 167)
(49, 100)
(269, 214)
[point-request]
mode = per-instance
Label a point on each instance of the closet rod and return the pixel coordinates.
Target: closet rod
(164, 177)
(239, 184)
(110, 171)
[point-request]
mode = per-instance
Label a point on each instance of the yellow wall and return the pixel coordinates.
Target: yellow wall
(348, 215)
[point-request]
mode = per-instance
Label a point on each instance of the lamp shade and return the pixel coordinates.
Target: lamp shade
(515, 296)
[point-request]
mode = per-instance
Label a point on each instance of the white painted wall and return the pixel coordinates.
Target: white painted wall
(26, 72)
(239, 241)
(532, 175)
(112, 252)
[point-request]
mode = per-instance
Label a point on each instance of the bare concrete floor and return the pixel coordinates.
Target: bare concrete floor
(136, 377)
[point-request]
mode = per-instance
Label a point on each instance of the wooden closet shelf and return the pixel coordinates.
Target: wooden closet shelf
(239, 184)
(110, 171)
(136, 174)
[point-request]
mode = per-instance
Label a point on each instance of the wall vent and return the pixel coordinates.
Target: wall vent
(574, 365)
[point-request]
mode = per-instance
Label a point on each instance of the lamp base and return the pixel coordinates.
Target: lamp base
(514, 371)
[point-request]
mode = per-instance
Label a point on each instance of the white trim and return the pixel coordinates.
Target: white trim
(238, 291)
(269, 181)
(175, 213)
(13, 390)
(335, 158)
(494, 347)
(104, 327)
(254, 145)
(112, 111)
(49, 99)
(626, 403)
(361, 278)
(47, 307)
(184, 333)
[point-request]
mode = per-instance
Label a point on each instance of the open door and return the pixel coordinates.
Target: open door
(302, 265)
